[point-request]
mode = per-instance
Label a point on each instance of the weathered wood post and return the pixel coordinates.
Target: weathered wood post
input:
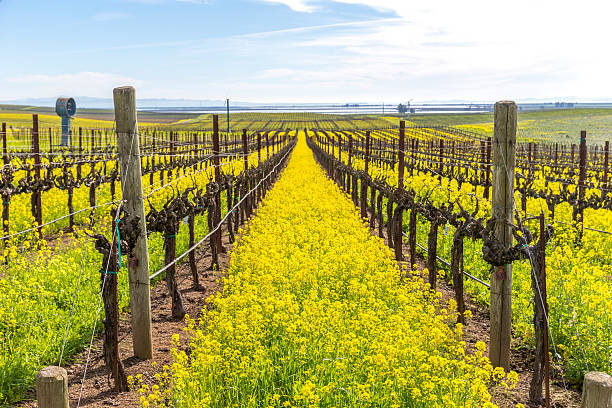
(578, 207)
(36, 195)
(504, 154)
(258, 147)
(245, 204)
(217, 164)
(604, 184)
(52, 387)
(488, 169)
(364, 183)
(441, 156)
(5, 197)
(597, 390)
(350, 154)
(128, 151)
(398, 228)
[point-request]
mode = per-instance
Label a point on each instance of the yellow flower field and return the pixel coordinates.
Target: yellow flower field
(315, 312)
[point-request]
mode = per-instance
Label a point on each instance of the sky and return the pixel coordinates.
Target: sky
(307, 50)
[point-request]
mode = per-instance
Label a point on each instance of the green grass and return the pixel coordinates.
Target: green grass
(557, 125)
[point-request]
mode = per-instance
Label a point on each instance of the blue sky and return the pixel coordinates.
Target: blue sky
(306, 50)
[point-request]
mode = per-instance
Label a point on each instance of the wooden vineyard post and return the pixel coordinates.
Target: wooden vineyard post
(6, 198)
(488, 169)
(258, 148)
(578, 207)
(128, 151)
(441, 164)
(350, 154)
(604, 184)
(398, 228)
(364, 183)
(504, 154)
(217, 164)
(245, 151)
(80, 154)
(52, 387)
(36, 194)
(596, 390)
(482, 161)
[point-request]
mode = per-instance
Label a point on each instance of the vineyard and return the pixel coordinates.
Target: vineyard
(341, 228)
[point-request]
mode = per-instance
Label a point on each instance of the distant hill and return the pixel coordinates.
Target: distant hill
(107, 103)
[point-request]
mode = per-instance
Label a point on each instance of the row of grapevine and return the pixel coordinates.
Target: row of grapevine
(446, 199)
(53, 264)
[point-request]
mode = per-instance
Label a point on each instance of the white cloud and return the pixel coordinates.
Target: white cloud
(80, 83)
(303, 6)
(480, 49)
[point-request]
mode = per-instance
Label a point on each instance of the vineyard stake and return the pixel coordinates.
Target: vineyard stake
(364, 186)
(604, 183)
(488, 169)
(217, 164)
(350, 153)
(131, 184)
(441, 165)
(578, 208)
(36, 195)
(504, 145)
(5, 198)
(258, 148)
(4, 150)
(400, 185)
(52, 387)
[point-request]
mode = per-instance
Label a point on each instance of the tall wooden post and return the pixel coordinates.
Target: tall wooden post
(400, 155)
(36, 195)
(504, 153)
(364, 184)
(604, 185)
(578, 209)
(258, 147)
(245, 149)
(217, 164)
(400, 185)
(488, 169)
(128, 151)
(347, 187)
(5, 198)
(5, 158)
